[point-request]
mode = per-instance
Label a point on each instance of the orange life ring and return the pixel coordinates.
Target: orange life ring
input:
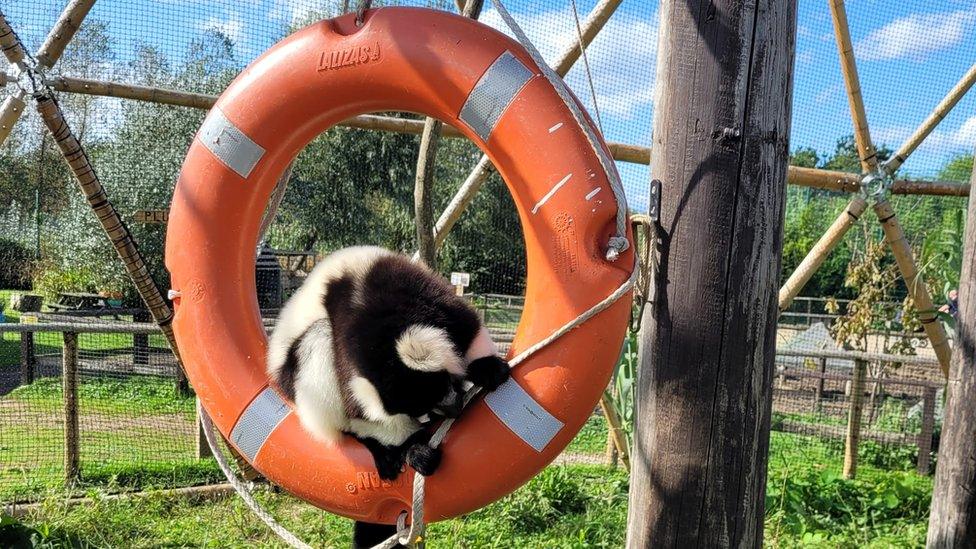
(480, 81)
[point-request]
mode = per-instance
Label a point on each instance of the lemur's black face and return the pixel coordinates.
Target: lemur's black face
(420, 394)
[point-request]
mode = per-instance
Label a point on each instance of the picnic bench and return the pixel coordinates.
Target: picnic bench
(81, 301)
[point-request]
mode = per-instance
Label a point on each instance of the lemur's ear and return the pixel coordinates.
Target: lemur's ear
(428, 349)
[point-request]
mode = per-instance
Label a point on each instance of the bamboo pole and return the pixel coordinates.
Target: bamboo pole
(422, 192)
(929, 188)
(862, 134)
(933, 120)
(63, 31)
(616, 430)
(824, 179)
(818, 254)
(10, 111)
(10, 44)
(594, 23)
(426, 164)
(164, 96)
(77, 159)
(623, 152)
(902, 250)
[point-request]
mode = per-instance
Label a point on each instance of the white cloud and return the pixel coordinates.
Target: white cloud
(960, 139)
(916, 34)
(298, 13)
(621, 58)
(232, 28)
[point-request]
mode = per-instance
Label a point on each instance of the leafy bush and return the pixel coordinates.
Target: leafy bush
(16, 264)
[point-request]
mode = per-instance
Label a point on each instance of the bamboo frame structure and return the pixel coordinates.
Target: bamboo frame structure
(71, 17)
(624, 152)
(116, 230)
(57, 39)
(848, 66)
(923, 131)
(894, 234)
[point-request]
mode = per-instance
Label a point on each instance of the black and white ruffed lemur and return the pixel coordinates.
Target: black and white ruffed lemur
(373, 344)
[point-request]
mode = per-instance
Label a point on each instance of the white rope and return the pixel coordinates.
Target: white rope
(240, 487)
(617, 244)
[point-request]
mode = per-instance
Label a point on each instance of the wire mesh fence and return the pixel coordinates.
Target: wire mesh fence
(354, 186)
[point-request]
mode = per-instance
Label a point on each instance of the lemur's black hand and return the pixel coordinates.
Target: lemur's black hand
(389, 460)
(424, 459)
(488, 372)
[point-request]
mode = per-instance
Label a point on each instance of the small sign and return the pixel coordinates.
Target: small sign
(151, 217)
(460, 279)
(28, 319)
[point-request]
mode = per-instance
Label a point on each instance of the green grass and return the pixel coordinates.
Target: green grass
(571, 506)
(120, 396)
(129, 443)
(592, 438)
(135, 433)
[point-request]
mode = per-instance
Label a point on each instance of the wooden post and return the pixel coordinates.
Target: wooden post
(817, 404)
(69, 387)
(928, 428)
(854, 418)
(140, 342)
(721, 136)
(952, 523)
(28, 359)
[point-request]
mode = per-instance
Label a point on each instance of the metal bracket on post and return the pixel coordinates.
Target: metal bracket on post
(654, 204)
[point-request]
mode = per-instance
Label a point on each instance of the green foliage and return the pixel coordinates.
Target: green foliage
(821, 507)
(959, 169)
(16, 264)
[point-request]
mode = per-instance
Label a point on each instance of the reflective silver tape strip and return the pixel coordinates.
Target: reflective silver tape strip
(523, 415)
(262, 415)
(493, 94)
(229, 144)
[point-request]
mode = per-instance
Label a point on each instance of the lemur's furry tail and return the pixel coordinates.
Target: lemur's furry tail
(366, 535)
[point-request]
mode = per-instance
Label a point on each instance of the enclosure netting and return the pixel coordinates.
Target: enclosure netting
(353, 186)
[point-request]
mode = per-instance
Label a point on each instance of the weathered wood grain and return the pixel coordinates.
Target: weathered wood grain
(720, 149)
(953, 520)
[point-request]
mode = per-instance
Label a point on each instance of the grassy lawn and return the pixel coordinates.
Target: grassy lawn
(137, 434)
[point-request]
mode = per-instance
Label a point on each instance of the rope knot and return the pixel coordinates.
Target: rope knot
(616, 246)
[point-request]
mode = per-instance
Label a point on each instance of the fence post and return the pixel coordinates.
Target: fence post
(817, 404)
(140, 342)
(28, 359)
(928, 427)
(69, 386)
(854, 419)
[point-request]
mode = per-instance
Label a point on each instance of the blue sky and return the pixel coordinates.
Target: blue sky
(909, 54)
